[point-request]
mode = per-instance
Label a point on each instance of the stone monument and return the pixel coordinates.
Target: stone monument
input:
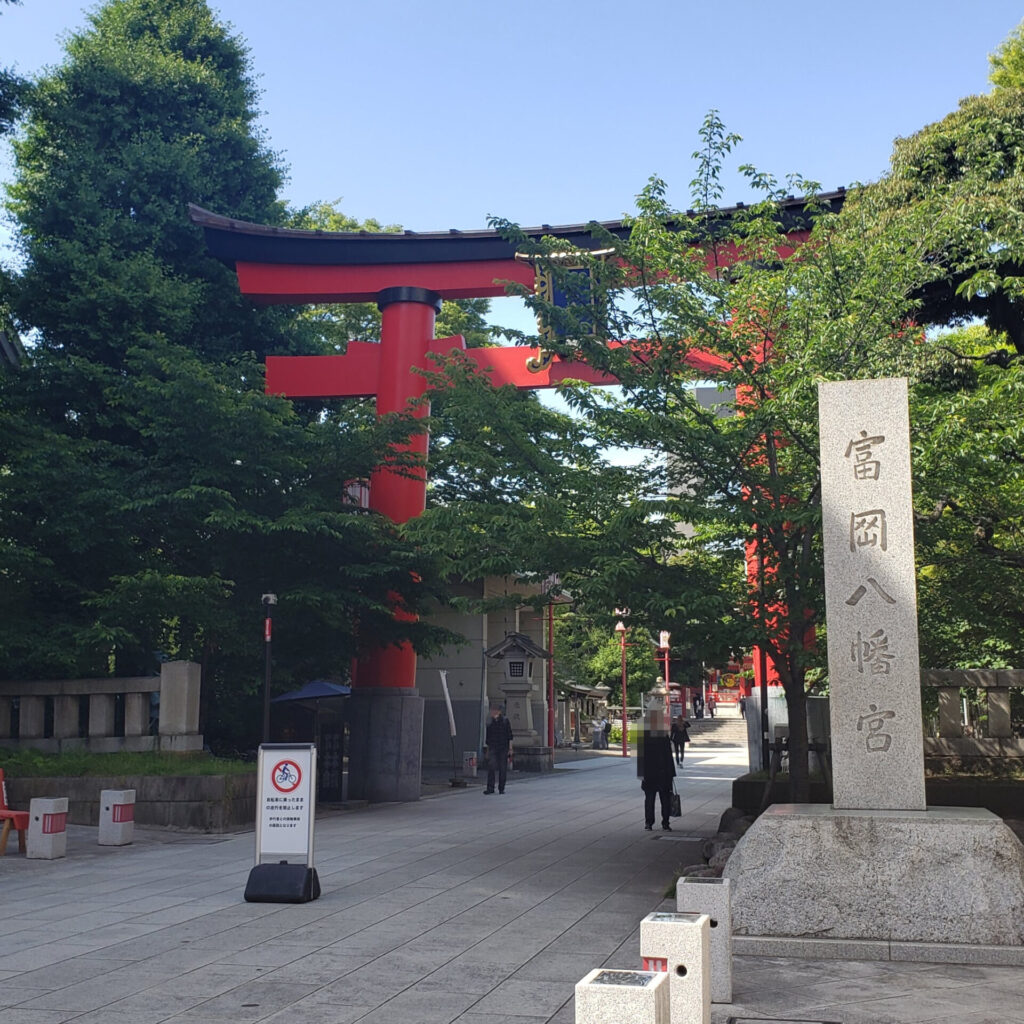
(875, 874)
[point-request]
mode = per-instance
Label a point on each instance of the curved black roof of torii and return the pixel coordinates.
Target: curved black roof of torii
(234, 240)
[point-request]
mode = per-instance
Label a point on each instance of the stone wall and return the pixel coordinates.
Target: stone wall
(190, 803)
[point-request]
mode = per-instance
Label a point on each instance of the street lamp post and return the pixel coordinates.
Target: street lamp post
(665, 637)
(269, 600)
(620, 628)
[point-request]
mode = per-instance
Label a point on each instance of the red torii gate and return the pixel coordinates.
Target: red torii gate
(408, 275)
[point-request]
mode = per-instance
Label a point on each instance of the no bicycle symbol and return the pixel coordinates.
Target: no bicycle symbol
(286, 776)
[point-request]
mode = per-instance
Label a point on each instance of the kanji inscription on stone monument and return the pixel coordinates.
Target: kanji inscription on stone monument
(871, 596)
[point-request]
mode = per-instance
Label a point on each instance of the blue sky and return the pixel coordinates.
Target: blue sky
(436, 114)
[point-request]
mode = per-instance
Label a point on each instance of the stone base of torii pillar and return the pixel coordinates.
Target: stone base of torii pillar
(944, 884)
(385, 743)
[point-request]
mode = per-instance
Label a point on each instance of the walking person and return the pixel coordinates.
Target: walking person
(498, 741)
(606, 728)
(712, 704)
(656, 771)
(679, 734)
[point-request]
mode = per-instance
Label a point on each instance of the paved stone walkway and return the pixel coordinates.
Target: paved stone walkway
(459, 908)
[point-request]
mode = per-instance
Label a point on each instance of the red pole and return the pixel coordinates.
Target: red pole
(625, 734)
(407, 328)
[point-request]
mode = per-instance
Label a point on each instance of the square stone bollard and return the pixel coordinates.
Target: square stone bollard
(612, 997)
(711, 896)
(47, 828)
(679, 945)
(117, 817)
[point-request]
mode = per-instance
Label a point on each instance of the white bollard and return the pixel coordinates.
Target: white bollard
(711, 896)
(117, 817)
(611, 997)
(679, 945)
(47, 828)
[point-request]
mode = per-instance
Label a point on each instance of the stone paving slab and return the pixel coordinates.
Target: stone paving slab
(453, 910)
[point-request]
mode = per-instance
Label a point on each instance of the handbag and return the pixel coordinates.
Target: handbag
(676, 807)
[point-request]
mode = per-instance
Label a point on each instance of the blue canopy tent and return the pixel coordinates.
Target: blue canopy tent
(314, 695)
(315, 690)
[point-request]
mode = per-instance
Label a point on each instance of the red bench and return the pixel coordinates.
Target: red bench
(18, 820)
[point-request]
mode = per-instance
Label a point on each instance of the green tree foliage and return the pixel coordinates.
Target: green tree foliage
(962, 180)
(842, 306)
(963, 177)
(589, 654)
(12, 91)
(149, 491)
(969, 491)
(715, 284)
(1008, 62)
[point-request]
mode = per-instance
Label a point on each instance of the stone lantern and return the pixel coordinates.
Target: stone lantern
(519, 655)
(658, 707)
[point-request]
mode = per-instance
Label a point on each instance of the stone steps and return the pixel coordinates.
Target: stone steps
(727, 732)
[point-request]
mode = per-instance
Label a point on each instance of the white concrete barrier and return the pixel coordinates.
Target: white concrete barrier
(47, 828)
(117, 817)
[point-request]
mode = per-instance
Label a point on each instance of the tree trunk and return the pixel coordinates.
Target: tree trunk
(796, 704)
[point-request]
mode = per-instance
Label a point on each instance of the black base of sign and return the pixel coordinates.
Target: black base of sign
(282, 883)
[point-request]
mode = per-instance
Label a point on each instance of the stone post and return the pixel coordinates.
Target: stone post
(949, 712)
(611, 997)
(136, 714)
(65, 717)
(179, 706)
(31, 717)
(712, 896)
(871, 596)
(999, 724)
(680, 944)
(101, 714)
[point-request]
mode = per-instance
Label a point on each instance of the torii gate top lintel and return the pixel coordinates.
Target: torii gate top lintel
(290, 266)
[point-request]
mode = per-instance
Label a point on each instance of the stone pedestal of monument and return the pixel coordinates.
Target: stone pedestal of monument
(898, 881)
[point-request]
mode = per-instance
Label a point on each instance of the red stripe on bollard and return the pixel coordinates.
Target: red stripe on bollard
(54, 823)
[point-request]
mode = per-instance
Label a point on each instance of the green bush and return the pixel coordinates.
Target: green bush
(35, 763)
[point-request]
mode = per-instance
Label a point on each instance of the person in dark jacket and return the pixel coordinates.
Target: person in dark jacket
(679, 734)
(656, 771)
(498, 739)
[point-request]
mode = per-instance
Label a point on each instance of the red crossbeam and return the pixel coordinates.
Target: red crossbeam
(356, 373)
